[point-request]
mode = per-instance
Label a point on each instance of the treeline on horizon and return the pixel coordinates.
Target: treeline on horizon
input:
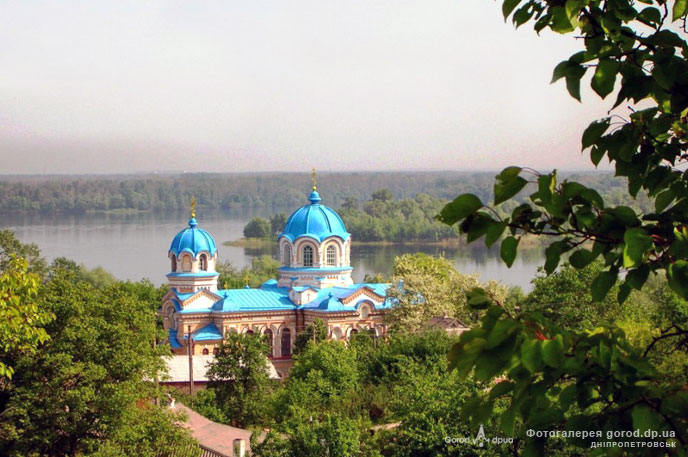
(81, 194)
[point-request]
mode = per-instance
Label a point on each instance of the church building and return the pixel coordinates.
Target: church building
(314, 282)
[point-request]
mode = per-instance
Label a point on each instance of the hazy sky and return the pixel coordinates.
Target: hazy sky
(127, 86)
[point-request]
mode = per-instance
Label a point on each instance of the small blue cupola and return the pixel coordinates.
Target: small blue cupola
(314, 247)
(193, 255)
(193, 240)
(315, 221)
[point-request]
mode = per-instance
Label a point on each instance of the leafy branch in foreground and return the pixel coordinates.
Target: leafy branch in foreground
(638, 49)
(592, 380)
(566, 382)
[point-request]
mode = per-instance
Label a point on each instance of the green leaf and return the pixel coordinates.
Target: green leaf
(508, 250)
(531, 354)
(601, 284)
(487, 366)
(596, 155)
(680, 9)
(553, 255)
(676, 405)
(581, 258)
(560, 71)
(505, 189)
(508, 184)
(501, 388)
(502, 330)
(477, 298)
(625, 215)
(624, 293)
(663, 200)
(463, 206)
(494, 232)
(546, 186)
(553, 351)
(567, 396)
(636, 244)
(508, 6)
(594, 132)
(508, 421)
(644, 418)
(677, 276)
(509, 173)
(605, 76)
(650, 15)
(636, 278)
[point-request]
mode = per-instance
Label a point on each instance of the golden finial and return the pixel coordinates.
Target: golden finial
(246, 278)
(314, 186)
(193, 207)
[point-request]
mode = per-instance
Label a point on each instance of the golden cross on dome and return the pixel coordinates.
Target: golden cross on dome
(246, 278)
(193, 207)
(314, 186)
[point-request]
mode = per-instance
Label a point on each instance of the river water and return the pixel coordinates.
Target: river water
(134, 246)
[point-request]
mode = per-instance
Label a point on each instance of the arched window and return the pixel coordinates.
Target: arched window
(249, 332)
(352, 333)
(186, 263)
(203, 261)
(286, 260)
(174, 263)
(331, 255)
(307, 256)
(286, 342)
(216, 351)
(268, 336)
(205, 351)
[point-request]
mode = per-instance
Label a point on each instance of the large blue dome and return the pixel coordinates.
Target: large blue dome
(316, 221)
(193, 240)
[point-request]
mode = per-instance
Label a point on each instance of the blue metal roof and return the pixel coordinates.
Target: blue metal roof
(273, 298)
(193, 240)
(315, 221)
(199, 274)
(238, 300)
(208, 333)
(172, 336)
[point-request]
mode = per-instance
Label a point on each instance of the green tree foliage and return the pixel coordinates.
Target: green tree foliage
(258, 228)
(564, 298)
(383, 218)
(334, 435)
(240, 379)
(80, 389)
(262, 268)
(22, 318)
(10, 247)
(593, 378)
(236, 191)
(277, 223)
(149, 432)
(428, 287)
(313, 333)
(336, 394)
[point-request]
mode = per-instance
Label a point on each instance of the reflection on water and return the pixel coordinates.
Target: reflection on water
(134, 246)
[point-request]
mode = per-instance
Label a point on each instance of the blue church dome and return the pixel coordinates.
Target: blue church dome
(193, 240)
(315, 220)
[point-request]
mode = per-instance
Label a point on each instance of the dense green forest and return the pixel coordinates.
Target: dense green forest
(396, 396)
(381, 218)
(231, 191)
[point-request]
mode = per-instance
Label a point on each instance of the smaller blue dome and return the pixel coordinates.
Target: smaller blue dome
(193, 240)
(315, 220)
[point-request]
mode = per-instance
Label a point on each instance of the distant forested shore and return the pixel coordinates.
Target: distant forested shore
(120, 193)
